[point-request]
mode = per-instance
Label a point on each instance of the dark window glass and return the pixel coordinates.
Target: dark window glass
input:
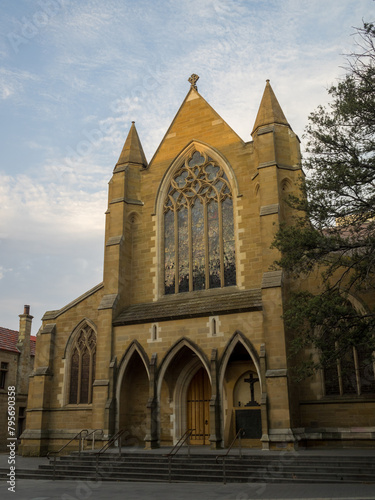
(213, 245)
(331, 378)
(3, 374)
(74, 369)
(169, 252)
(82, 367)
(228, 243)
(366, 369)
(183, 251)
(348, 374)
(199, 277)
(85, 377)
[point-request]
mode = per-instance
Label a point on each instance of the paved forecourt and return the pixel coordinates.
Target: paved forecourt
(27, 489)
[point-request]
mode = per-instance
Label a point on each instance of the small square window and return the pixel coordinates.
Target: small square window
(3, 374)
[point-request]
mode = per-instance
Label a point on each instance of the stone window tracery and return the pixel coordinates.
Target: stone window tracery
(199, 247)
(82, 366)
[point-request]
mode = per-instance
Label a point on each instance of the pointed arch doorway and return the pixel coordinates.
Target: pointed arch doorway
(198, 408)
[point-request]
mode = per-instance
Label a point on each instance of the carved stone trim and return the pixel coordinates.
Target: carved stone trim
(269, 209)
(272, 279)
(289, 167)
(266, 129)
(100, 383)
(50, 328)
(281, 372)
(273, 163)
(114, 240)
(267, 164)
(108, 301)
(42, 371)
(128, 201)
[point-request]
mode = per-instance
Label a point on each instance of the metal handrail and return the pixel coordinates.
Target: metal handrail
(180, 442)
(176, 448)
(237, 436)
(93, 437)
(55, 453)
(103, 449)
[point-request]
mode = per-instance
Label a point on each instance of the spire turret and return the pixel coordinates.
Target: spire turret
(132, 152)
(269, 110)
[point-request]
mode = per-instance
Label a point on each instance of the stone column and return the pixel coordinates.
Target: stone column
(263, 402)
(215, 410)
(151, 439)
(34, 441)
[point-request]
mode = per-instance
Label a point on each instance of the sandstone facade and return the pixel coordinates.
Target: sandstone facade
(186, 330)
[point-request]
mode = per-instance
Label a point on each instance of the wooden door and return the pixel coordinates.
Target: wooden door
(198, 408)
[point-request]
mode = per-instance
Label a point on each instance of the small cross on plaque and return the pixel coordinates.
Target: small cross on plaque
(193, 80)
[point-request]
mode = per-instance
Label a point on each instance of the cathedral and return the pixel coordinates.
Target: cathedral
(185, 332)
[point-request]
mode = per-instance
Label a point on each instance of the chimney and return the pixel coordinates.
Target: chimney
(25, 325)
(23, 344)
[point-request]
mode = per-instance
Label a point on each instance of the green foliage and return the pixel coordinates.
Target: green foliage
(329, 323)
(334, 226)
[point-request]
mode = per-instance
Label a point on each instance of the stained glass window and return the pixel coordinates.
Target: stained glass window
(82, 367)
(199, 247)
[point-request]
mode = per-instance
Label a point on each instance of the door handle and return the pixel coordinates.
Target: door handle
(206, 422)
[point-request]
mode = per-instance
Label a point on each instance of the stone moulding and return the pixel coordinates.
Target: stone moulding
(114, 240)
(101, 383)
(49, 329)
(269, 209)
(283, 372)
(273, 163)
(128, 201)
(108, 301)
(272, 279)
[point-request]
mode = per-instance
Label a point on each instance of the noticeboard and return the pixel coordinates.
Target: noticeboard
(250, 421)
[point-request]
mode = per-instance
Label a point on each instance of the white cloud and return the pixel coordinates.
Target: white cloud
(12, 82)
(95, 66)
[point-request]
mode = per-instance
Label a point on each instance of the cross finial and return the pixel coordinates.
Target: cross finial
(193, 80)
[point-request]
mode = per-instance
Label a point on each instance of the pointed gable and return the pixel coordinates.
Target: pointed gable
(132, 152)
(269, 110)
(195, 120)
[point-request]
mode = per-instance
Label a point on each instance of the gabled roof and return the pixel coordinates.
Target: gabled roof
(269, 110)
(9, 339)
(132, 151)
(194, 121)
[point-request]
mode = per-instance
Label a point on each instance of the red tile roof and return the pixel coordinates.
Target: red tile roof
(9, 338)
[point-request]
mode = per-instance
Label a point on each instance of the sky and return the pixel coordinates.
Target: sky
(74, 74)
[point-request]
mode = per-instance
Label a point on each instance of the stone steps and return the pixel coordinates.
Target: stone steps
(285, 468)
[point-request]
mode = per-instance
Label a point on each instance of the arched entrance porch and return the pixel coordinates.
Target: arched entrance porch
(241, 392)
(184, 392)
(132, 395)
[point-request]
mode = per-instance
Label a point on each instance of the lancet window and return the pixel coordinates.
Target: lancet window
(199, 246)
(82, 366)
(352, 374)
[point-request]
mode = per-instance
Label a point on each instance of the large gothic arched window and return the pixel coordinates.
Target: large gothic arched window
(82, 366)
(199, 247)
